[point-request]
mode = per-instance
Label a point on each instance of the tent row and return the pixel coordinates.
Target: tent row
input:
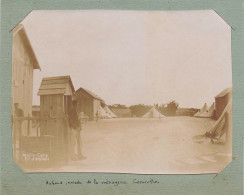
(206, 112)
(217, 108)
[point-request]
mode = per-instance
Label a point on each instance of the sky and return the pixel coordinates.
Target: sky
(134, 57)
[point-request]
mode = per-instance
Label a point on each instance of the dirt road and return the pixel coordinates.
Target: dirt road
(149, 146)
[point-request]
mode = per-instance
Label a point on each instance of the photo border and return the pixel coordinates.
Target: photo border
(15, 181)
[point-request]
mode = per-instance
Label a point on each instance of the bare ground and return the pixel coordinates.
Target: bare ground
(148, 146)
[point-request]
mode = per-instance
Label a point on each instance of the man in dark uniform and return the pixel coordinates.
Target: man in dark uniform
(18, 111)
(75, 127)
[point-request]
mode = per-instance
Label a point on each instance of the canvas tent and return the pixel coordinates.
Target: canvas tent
(208, 113)
(223, 125)
(107, 110)
(199, 113)
(153, 113)
(104, 114)
(221, 100)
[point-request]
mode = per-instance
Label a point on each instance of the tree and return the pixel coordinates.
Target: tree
(171, 108)
(139, 109)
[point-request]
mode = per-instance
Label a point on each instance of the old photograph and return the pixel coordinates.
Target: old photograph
(116, 91)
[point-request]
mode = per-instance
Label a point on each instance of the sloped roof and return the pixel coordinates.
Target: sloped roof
(89, 93)
(20, 30)
(224, 92)
(56, 85)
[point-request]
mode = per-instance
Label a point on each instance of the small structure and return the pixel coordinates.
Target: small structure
(56, 101)
(24, 62)
(153, 113)
(88, 103)
(221, 100)
(56, 96)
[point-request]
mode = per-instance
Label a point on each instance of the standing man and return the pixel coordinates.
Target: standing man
(97, 116)
(75, 127)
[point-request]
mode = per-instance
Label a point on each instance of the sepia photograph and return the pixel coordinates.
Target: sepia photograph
(118, 91)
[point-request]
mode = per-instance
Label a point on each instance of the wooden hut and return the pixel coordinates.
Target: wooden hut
(221, 100)
(88, 103)
(55, 103)
(24, 61)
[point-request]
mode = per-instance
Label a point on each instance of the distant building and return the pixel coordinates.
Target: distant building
(36, 111)
(88, 103)
(24, 61)
(121, 111)
(221, 100)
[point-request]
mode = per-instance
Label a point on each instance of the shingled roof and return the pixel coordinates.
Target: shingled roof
(224, 92)
(20, 30)
(89, 93)
(56, 85)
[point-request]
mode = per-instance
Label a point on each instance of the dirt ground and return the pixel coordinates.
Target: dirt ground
(149, 146)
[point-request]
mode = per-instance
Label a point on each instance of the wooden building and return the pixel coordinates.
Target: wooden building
(56, 96)
(55, 103)
(221, 100)
(24, 61)
(88, 103)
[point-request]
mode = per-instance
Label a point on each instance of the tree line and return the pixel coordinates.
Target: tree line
(168, 109)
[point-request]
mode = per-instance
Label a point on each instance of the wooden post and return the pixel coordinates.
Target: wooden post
(67, 140)
(28, 127)
(36, 121)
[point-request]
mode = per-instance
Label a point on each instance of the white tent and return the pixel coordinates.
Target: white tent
(104, 114)
(209, 112)
(153, 113)
(107, 110)
(199, 113)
